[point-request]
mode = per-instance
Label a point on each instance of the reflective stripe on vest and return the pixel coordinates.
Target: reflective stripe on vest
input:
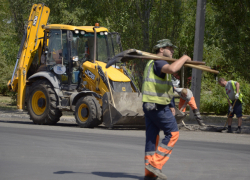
(155, 89)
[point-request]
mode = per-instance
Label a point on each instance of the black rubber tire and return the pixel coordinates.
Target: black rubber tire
(94, 112)
(51, 114)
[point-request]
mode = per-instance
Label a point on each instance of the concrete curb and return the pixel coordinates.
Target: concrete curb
(215, 124)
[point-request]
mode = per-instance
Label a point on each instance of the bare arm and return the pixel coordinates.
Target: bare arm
(237, 87)
(229, 102)
(175, 66)
(184, 105)
(172, 110)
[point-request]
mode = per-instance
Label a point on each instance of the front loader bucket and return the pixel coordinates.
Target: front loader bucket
(126, 109)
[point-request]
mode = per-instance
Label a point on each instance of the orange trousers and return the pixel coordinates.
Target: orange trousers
(158, 153)
(191, 103)
(162, 154)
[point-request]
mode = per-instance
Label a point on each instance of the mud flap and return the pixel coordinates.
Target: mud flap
(126, 109)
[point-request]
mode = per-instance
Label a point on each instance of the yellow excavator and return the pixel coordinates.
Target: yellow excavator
(63, 68)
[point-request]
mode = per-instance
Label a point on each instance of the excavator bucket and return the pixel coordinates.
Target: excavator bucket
(125, 109)
(122, 108)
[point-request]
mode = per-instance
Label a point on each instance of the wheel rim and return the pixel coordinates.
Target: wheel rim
(36, 96)
(83, 107)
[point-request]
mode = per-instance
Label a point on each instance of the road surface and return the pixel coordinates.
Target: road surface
(65, 151)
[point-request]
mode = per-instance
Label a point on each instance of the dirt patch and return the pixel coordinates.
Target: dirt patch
(7, 103)
(5, 98)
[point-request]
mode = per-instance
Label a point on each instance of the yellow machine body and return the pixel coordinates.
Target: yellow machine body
(63, 67)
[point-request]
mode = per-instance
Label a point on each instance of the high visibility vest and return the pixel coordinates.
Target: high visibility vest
(234, 88)
(155, 89)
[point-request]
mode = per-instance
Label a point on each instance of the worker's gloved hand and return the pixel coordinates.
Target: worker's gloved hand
(237, 96)
(150, 106)
(231, 109)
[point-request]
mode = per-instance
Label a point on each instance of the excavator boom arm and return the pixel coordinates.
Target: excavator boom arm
(33, 37)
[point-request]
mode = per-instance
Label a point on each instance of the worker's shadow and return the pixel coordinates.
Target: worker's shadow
(67, 172)
(117, 175)
(105, 174)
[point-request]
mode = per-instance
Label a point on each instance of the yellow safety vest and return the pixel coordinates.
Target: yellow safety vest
(155, 89)
(234, 88)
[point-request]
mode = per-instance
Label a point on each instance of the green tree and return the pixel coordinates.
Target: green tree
(232, 26)
(141, 24)
(8, 46)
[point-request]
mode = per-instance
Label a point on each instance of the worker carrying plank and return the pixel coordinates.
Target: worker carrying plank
(234, 98)
(158, 106)
(187, 98)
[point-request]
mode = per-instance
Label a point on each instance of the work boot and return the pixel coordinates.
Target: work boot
(238, 130)
(229, 130)
(151, 178)
(197, 116)
(200, 122)
(156, 171)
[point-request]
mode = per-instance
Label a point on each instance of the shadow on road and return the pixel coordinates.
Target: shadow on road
(67, 172)
(16, 122)
(122, 128)
(117, 175)
(31, 122)
(105, 174)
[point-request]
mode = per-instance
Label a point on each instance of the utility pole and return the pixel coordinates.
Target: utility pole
(182, 77)
(198, 51)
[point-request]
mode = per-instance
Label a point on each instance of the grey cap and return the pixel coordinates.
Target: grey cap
(163, 43)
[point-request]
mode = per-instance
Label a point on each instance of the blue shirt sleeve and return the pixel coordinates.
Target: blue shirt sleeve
(158, 64)
(172, 103)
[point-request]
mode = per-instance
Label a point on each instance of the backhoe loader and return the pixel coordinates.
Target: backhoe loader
(63, 68)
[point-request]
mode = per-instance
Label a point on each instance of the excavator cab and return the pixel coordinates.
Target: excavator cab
(67, 50)
(63, 53)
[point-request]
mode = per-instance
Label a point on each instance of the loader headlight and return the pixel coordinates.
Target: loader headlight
(101, 33)
(76, 31)
(106, 33)
(82, 32)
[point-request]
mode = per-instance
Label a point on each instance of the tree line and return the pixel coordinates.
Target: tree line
(141, 23)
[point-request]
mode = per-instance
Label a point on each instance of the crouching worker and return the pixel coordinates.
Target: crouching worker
(187, 98)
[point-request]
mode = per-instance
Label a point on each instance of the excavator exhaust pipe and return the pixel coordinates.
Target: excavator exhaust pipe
(122, 108)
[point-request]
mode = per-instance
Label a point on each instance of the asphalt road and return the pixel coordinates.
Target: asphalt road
(67, 152)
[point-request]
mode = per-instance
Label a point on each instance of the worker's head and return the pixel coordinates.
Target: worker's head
(164, 47)
(222, 82)
(184, 92)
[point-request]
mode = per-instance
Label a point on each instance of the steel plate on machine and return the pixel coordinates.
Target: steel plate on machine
(59, 69)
